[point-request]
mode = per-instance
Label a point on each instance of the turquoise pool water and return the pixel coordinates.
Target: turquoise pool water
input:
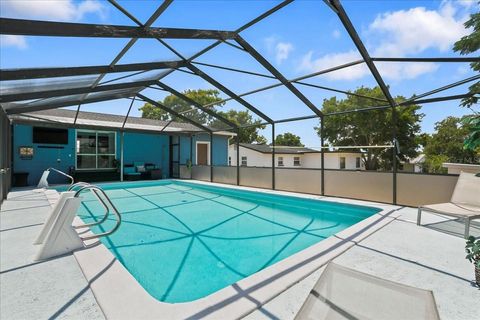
(184, 241)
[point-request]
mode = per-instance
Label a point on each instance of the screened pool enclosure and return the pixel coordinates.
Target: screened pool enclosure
(25, 91)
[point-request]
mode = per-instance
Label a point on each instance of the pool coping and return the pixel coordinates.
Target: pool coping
(120, 296)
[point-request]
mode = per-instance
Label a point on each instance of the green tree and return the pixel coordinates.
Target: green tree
(244, 118)
(288, 139)
(467, 45)
(446, 143)
(371, 128)
(434, 163)
(201, 96)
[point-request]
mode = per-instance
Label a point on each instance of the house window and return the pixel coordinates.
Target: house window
(229, 161)
(357, 163)
(280, 162)
(342, 162)
(296, 161)
(244, 161)
(95, 149)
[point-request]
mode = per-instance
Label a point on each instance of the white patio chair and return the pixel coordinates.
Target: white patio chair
(465, 201)
(343, 293)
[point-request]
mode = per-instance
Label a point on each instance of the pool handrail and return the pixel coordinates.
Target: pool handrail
(43, 180)
(115, 211)
(77, 184)
(95, 193)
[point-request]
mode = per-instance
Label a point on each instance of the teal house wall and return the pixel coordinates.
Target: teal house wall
(61, 157)
(148, 148)
(220, 148)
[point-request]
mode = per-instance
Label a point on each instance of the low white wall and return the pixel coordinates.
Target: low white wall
(456, 168)
(298, 180)
(373, 186)
(413, 189)
(185, 173)
(201, 173)
(226, 175)
(256, 177)
(419, 189)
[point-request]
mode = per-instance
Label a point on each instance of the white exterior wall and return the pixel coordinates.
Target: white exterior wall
(307, 160)
(456, 168)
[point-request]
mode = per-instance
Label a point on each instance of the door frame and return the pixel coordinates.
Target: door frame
(208, 151)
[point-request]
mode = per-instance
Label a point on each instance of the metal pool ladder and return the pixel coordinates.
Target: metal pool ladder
(96, 190)
(58, 236)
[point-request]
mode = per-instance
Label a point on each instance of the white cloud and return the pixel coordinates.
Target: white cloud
(7, 40)
(62, 10)
(463, 70)
(336, 34)
(65, 10)
(399, 34)
(405, 71)
(282, 51)
(467, 3)
(415, 30)
(331, 60)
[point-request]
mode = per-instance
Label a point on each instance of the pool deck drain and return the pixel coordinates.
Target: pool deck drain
(426, 257)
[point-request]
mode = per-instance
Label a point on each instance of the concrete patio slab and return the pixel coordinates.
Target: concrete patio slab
(52, 289)
(429, 257)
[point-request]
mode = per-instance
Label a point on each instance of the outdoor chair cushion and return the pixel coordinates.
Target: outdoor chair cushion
(453, 209)
(343, 293)
(150, 166)
(467, 190)
(129, 170)
(138, 163)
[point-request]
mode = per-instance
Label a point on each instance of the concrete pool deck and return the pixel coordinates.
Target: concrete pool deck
(430, 257)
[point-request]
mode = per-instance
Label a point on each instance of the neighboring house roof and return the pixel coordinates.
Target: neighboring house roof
(65, 118)
(417, 160)
(265, 148)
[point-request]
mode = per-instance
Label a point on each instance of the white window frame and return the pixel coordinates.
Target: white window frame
(246, 161)
(208, 151)
(280, 162)
(96, 149)
(299, 162)
(359, 162)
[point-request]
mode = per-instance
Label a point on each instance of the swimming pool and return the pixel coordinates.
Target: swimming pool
(183, 241)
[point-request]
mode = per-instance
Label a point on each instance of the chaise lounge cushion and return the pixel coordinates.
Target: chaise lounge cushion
(467, 190)
(343, 293)
(453, 209)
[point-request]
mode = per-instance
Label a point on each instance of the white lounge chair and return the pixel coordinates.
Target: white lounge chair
(465, 201)
(343, 293)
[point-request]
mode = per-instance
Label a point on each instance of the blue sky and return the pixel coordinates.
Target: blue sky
(303, 37)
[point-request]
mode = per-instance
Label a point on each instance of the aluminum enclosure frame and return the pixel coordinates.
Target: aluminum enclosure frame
(62, 29)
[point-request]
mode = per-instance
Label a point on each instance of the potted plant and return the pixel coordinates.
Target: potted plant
(189, 166)
(473, 255)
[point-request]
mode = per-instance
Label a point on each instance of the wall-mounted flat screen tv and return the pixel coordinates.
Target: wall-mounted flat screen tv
(50, 135)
